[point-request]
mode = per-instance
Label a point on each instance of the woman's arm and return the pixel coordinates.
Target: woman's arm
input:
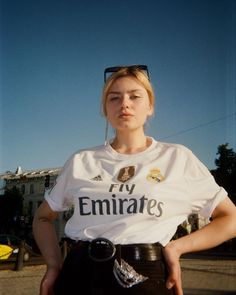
(46, 239)
(220, 229)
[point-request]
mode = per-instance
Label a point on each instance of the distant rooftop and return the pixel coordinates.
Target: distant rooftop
(19, 173)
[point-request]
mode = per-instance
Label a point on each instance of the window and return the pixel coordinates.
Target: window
(23, 189)
(31, 188)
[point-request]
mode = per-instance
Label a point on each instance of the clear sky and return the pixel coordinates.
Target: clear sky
(53, 53)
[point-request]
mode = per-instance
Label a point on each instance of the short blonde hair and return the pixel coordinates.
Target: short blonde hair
(138, 74)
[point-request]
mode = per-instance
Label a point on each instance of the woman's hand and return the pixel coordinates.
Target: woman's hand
(46, 238)
(47, 283)
(220, 229)
(174, 271)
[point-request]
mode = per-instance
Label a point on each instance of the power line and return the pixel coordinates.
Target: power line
(199, 126)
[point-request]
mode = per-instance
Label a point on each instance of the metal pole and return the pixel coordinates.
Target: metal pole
(20, 257)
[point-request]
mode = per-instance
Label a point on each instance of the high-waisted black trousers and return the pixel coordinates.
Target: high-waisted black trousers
(81, 275)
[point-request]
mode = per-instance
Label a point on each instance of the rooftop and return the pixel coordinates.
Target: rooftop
(19, 173)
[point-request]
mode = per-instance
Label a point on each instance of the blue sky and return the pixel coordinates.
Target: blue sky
(53, 54)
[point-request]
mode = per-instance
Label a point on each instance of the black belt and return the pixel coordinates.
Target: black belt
(102, 250)
(141, 252)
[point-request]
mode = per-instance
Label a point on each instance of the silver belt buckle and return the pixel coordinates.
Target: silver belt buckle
(101, 250)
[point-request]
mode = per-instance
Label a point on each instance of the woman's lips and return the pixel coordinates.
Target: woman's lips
(125, 115)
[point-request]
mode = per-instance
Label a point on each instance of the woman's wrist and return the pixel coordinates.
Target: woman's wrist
(174, 246)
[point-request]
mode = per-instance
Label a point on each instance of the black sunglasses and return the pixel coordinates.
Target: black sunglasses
(112, 70)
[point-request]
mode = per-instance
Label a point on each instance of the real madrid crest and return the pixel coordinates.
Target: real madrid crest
(155, 175)
(126, 173)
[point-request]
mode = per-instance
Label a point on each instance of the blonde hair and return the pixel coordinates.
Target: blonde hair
(134, 72)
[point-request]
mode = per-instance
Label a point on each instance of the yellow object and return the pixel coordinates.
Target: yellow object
(5, 252)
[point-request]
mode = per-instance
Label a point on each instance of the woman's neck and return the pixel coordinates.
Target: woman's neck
(131, 144)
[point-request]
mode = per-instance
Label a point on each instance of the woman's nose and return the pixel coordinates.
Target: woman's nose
(124, 102)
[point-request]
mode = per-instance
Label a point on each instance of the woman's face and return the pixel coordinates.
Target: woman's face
(127, 104)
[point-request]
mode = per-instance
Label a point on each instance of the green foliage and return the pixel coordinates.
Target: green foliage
(226, 161)
(225, 173)
(11, 206)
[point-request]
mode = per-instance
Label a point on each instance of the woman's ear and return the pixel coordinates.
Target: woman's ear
(150, 110)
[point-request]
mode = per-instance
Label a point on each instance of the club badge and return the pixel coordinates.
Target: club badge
(155, 176)
(126, 173)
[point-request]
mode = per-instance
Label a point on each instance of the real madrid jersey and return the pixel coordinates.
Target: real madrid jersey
(133, 198)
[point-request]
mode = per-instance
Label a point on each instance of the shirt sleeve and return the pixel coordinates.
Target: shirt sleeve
(58, 197)
(205, 194)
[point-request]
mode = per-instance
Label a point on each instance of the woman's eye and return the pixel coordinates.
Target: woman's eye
(134, 96)
(114, 98)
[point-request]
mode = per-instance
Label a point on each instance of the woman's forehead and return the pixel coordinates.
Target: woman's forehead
(126, 83)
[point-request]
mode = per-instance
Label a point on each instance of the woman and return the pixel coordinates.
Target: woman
(129, 196)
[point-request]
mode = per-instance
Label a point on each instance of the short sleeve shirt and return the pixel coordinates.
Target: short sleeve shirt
(135, 198)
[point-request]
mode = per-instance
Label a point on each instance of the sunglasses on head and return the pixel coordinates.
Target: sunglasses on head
(111, 70)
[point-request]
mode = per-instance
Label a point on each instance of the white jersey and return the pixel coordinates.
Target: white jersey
(133, 198)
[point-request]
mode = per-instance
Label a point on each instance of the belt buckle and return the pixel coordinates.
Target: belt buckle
(101, 250)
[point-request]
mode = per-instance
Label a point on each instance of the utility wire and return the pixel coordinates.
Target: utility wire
(199, 126)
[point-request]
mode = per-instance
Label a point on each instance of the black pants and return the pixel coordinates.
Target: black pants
(81, 275)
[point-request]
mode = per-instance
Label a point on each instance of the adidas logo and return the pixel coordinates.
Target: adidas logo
(97, 178)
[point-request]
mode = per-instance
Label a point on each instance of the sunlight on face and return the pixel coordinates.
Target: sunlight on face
(127, 104)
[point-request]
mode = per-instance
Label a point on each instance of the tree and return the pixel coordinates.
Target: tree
(11, 206)
(225, 173)
(227, 159)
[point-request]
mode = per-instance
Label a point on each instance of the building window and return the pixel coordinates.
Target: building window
(30, 209)
(31, 189)
(23, 189)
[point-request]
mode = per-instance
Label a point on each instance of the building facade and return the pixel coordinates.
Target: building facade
(32, 185)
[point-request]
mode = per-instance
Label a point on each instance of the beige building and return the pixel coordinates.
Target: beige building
(32, 185)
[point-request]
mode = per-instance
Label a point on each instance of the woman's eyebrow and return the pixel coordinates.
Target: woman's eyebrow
(130, 91)
(114, 92)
